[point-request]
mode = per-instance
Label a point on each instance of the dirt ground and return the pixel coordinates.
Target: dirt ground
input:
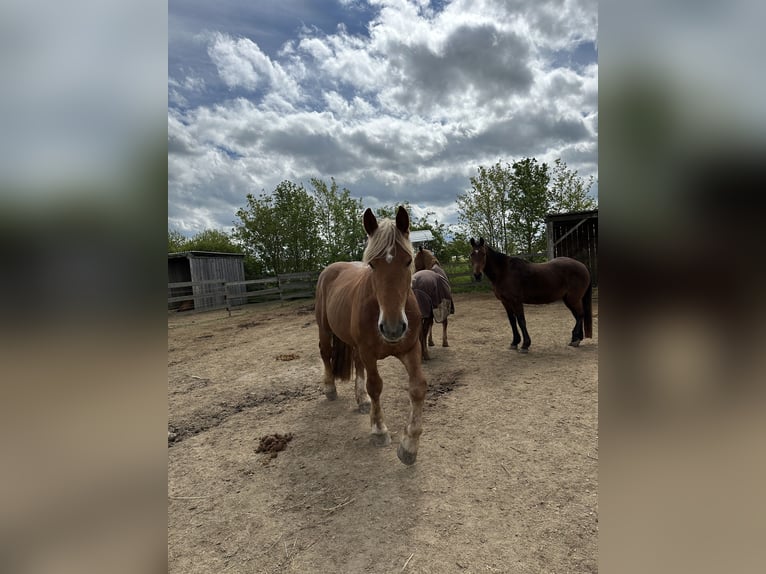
(506, 475)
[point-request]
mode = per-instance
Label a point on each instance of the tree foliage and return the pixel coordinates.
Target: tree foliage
(427, 221)
(528, 202)
(281, 229)
(485, 209)
(176, 241)
(568, 191)
(206, 240)
(339, 221)
(212, 240)
(507, 204)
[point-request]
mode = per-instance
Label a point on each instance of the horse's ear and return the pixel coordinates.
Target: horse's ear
(481, 241)
(473, 242)
(403, 220)
(420, 248)
(370, 223)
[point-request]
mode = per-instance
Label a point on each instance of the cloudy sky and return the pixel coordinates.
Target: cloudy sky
(398, 100)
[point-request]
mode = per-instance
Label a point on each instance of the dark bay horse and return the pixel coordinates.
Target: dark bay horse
(366, 311)
(434, 295)
(516, 281)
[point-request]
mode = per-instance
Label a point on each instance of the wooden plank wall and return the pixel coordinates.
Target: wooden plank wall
(217, 294)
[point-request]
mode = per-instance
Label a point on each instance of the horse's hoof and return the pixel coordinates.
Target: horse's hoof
(406, 456)
(430, 343)
(331, 395)
(575, 343)
(524, 350)
(445, 344)
(380, 439)
(364, 408)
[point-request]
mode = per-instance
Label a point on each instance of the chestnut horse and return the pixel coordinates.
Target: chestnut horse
(366, 311)
(425, 259)
(516, 281)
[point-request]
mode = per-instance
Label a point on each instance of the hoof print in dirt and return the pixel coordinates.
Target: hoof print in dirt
(271, 444)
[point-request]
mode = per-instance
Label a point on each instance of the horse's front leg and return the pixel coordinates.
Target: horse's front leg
(360, 385)
(512, 320)
(523, 326)
(379, 435)
(408, 447)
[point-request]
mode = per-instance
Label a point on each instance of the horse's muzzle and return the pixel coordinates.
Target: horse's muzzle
(392, 334)
(477, 276)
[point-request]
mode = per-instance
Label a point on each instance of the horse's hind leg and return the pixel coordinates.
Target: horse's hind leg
(408, 447)
(325, 351)
(445, 343)
(575, 306)
(425, 328)
(379, 435)
(430, 332)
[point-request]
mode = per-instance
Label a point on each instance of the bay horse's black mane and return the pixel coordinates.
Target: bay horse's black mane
(496, 261)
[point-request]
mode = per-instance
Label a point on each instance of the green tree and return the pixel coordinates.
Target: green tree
(389, 211)
(568, 191)
(438, 230)
(459, 247)
(426, 221)
(213, 240)
(484, 210)
(528, 199)
(281, 229)
(339, 222)
(176, 241)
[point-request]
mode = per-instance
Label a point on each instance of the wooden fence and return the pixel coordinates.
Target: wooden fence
(219, 294)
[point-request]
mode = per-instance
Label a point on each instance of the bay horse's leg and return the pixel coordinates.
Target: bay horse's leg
(519, 312)
(512, 320)
(408, 447)
(425, 328)
(360, 391)
(379, 435)
(325, 350)
(574, 304)
(430, 330)
(445, 343)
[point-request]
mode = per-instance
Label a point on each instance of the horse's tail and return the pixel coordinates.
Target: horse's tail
(341, 359)
(588, 311)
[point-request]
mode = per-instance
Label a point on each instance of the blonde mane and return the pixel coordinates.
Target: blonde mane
(384, 241)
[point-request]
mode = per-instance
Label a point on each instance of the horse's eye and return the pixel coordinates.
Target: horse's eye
(371, 266)
(408, 263)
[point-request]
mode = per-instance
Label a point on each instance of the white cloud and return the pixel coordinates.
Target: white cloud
(242, 64)
(406, 113)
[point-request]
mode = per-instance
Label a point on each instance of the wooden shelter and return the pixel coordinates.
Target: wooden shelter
(203, 272)
(421, 238)
(575, 235)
